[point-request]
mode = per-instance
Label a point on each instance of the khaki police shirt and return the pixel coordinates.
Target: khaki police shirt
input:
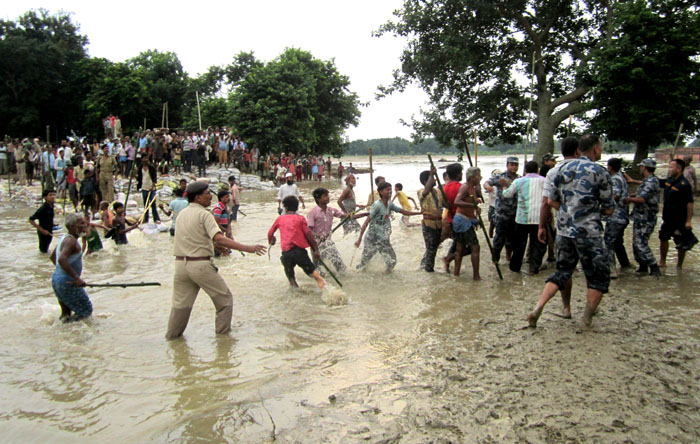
(195, 229)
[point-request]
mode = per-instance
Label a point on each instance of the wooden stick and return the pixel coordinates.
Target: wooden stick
(131, 173)
(371, 175)
(466, 147)
(481, 222)
(124, 285)
(148, 206)
(199, 113)
(329, 271)
(675, 144)
(476, 151)
(347, 218)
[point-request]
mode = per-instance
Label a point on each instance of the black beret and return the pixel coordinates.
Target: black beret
(196, 187)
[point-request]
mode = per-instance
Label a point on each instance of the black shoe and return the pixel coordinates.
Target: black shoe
(642, 269)
(654, 271)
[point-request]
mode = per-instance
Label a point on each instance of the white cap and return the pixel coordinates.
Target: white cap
(289, 175)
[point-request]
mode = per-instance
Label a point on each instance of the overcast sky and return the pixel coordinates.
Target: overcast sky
(206, 33)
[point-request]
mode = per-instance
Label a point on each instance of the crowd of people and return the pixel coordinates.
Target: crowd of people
(591, 203)
(85, 172)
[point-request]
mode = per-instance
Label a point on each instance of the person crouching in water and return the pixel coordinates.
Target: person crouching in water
(295, 238)
(320, 220)
(67, 284)
(379, 228)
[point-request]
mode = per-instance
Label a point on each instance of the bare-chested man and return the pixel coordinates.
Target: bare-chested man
(465, 221)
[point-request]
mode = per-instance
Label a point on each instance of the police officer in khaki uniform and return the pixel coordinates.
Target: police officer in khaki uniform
(196, 233)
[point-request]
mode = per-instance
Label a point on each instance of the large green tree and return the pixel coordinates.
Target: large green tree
(295, 102)
(116, 89)
(166, 81)
(647, 76)
(40, 55)
(473, 57)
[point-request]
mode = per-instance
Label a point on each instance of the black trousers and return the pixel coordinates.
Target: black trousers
(537, 248)
(44, 242)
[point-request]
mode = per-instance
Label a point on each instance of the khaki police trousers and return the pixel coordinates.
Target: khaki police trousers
(189, 277)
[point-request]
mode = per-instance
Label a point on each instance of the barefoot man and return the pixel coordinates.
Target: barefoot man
(465, 221)
(581, 190)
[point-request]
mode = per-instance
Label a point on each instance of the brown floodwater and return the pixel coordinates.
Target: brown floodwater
(412, 356)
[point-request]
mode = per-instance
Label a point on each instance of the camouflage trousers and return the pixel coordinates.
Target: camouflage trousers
(329, 253)
(374, 245)
(594, 260)
(640, 243)
(613, 231)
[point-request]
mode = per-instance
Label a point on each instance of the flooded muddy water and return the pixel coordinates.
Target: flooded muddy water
(412, 357)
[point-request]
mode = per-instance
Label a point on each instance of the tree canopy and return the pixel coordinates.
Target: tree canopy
(471, 56)
(39, 56)
(295, 102)
(647, 75)
(292, 102)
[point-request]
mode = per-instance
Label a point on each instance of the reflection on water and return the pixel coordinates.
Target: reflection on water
(114, 377)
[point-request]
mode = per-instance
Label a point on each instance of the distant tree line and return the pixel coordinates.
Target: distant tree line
(293, 103)
(400, 146)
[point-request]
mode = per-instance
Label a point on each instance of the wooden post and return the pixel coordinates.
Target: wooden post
(167, 112)
(199, 112)
(466, 147)
(371, 175)
(48, 133)
(162, 119)
(476, 151)
(144, 124)
(675, 144)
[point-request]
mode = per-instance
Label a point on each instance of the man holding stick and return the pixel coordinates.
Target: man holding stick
(465, 221)
(67, 284)
(195, 230)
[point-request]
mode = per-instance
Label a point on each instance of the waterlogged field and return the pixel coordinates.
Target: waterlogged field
(404, 357)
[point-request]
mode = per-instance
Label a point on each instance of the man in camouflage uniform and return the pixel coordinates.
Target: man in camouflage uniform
(619, 219)
(505, 209)
(646, 205)
(581, 190)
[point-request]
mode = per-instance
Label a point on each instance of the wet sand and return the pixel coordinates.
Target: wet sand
(632, 378)
(412, 358)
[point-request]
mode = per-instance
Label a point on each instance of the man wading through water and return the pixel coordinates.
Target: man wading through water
(195, 230)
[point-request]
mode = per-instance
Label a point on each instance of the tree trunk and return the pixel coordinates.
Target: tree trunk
(640, 154)
(545, 134)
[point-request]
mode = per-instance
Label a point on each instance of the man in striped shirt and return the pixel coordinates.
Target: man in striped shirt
(529, 191)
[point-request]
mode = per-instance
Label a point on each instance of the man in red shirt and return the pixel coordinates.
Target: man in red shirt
(295, 239)
(454, 176)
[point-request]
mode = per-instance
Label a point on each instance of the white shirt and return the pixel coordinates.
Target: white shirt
(288, 190)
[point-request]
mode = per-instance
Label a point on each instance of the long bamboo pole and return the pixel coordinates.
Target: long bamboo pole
(329, 271)
(476, 151)
(131, 173)
(675, 144)
(371, 175)
(199, 112)
(464, 142)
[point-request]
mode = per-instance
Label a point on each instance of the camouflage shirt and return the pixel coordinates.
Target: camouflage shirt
(505, 206)
(620, 192)
(646, 212)
(584, 189)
